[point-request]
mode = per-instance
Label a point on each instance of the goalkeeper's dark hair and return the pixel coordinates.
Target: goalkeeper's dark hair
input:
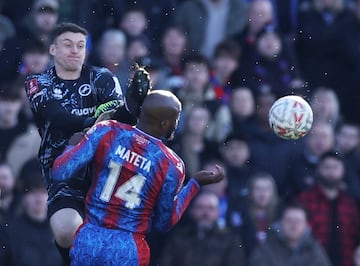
(67, 27)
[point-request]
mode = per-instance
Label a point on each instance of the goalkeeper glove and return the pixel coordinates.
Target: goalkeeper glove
(105, 107)
(137, 90)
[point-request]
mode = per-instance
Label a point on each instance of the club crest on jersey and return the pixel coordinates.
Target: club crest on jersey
(32, 86)
(84, 90)
(141, 140)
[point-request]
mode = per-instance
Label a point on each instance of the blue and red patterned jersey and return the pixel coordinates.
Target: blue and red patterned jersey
(136, 179)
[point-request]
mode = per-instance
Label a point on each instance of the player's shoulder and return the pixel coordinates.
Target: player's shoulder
(113, 125)
(36, 82)
(173, 157)
(42, 78)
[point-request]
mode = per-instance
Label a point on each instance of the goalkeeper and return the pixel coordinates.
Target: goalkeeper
(68, 98)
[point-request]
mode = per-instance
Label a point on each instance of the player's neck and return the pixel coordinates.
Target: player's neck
(67, 75)
(147, 130)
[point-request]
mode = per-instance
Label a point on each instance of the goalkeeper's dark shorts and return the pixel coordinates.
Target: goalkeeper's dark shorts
(68, 194)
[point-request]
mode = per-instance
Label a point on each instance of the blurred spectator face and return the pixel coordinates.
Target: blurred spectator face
(69, 51)
(269, 45)
(236, 153)
(174, 42)
(320, 138)
(331, 172)
(134, 23)
(325, 105)
(205, 210)
(198, 120)
(242, 102)
(260, 14)
(45, 19)
(327, 5)
(36, 62)
(9, 111)
(264, 103)
(262, 192)
(348, 138)
(197, 75)
(294, 224)
(112, 48)
(7, 180)
(225, 65)
(356, 257)
(35, 203)
(137, 49)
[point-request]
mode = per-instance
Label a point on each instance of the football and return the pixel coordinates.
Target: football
(290, 117)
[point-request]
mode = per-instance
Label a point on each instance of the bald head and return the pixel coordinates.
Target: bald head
(159, 113)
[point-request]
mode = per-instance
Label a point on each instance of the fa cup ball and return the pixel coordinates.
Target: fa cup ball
(290, 117)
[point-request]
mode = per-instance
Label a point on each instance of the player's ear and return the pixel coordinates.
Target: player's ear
(52, 49)
(163, 123)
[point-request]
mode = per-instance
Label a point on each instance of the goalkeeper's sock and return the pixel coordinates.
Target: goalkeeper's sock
(64, 253)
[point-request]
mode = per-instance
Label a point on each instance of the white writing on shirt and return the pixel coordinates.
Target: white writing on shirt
(133, 158)
(84, 111)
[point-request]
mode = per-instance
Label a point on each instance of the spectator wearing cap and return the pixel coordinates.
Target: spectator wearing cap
(37, 24)
(27, 239)
(333, 215)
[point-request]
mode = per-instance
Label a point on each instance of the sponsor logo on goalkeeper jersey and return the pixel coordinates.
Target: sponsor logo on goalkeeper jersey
(84, 111)
(133, 158)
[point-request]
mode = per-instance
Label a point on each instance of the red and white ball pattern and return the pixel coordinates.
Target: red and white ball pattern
(290, 117)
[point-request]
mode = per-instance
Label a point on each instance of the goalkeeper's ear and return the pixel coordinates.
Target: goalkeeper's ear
(138, 88)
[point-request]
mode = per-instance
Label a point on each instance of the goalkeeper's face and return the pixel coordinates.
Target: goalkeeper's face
(69, 51)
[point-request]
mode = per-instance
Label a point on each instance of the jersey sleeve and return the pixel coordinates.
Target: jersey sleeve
(107, 86)
(173, 200)
(76, 157)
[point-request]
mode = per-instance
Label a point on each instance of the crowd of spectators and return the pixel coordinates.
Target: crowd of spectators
(282, 202)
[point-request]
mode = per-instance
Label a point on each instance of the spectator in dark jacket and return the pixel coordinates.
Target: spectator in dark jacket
(290, 243)
(203, 243)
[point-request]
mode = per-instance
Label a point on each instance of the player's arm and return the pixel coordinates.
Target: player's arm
(52, 110)
(175, 198)
(76, 157)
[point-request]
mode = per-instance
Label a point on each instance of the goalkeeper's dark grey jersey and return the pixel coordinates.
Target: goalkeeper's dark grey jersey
(63, 107)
